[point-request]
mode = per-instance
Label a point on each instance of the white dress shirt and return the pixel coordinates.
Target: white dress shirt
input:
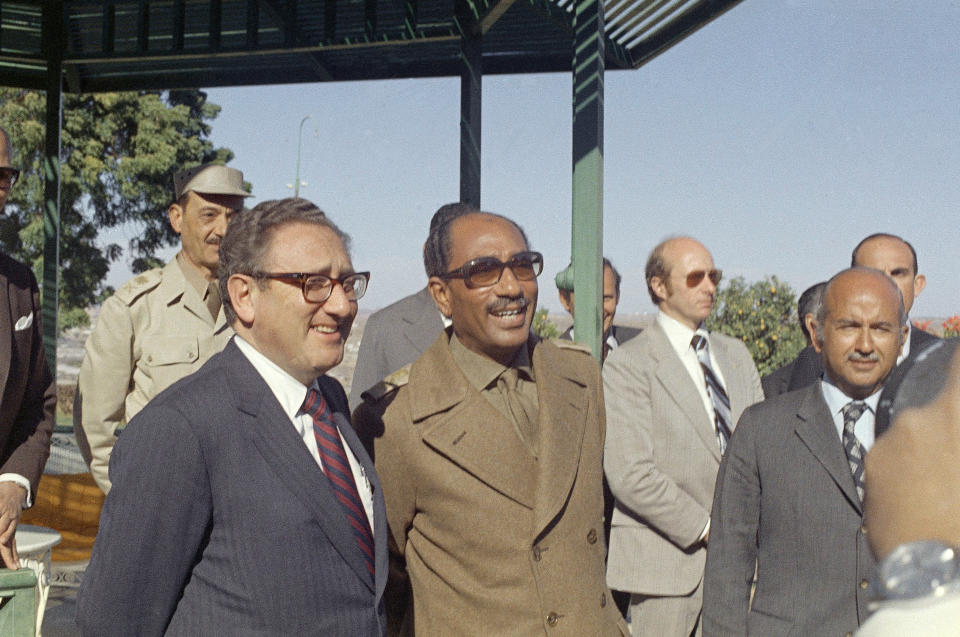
(836, 400)
(291, 393)
(680, 336)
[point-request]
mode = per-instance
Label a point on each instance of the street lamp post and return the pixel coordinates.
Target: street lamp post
(296, 183)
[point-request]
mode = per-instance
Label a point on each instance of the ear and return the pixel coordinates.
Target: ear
(919, 282)
(243, 290)
(175, 213)
(659, 287)
(441, 295)
(811, 322)
(904, 335)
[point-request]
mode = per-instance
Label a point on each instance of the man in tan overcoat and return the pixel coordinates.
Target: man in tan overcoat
(489, 450)
(161, 325)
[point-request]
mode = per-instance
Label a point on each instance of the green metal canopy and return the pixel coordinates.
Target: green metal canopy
(109, 45)
(84, 46)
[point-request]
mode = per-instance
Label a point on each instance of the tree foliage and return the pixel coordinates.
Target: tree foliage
(119, 152)
(543, 326)
(764, 316)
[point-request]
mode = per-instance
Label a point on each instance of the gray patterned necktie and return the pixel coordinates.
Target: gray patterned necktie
(851, 445)
(716, 391)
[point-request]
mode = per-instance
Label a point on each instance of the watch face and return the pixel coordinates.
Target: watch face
(916, 381)
(918, 569)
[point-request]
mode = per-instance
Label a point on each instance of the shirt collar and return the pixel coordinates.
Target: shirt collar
(196, 280)
(480, 370)
(289, 391)
(836, 399)
(677, 333)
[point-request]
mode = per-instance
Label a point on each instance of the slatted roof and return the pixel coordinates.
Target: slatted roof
(111, 45)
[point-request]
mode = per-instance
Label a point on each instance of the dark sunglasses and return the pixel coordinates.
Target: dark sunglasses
(486, 271)
(9, 174)
(696, 277)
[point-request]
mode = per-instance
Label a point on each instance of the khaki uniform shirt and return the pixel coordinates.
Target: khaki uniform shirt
(154, 331)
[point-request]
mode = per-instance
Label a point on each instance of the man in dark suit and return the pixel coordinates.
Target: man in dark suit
(27, 409)
(243, 502)
(789, 496)
(396, 335)
(895, 256)
(777, 381)
(613, 335)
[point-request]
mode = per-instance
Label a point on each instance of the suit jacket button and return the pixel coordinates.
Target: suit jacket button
(592, 536)
(603, 600)
(864, 584)
(553, 619)
(863, 529)
(536, 554)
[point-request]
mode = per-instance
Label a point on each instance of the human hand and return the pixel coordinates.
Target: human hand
(11, 506)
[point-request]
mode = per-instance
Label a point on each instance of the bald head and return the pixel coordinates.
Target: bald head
(860, 330)
(682, 281)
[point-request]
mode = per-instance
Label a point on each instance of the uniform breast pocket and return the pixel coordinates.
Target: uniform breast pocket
(167, 359)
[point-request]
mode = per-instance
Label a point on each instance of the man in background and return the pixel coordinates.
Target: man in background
(397, 334)
(29, 392)
(673, 395)
(161, 325)
(613, 335)
(777, 381)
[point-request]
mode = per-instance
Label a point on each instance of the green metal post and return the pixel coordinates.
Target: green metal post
(587, 241)
(471, 84)
(53, 45)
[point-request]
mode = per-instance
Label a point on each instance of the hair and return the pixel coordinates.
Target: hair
(445, 214)
(823, 311)
(9, 142)
(249, 236)
(809, 303)
(885, 235)
(657, 267)
(439, 245)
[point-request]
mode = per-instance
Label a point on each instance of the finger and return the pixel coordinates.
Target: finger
(8, 553)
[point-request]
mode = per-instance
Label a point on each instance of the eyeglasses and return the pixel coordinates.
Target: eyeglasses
(317, 288)
(9, 175)
(696, 277)
(486, 271)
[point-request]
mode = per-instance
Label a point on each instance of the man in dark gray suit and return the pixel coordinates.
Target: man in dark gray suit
(398, 334)
(242, 501)
(789, 494)
(895, 256)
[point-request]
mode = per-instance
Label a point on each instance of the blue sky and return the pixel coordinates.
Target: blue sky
(779, 135)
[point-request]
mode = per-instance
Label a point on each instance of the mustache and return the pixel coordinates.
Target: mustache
(858, 357)
(214, 241)
(505, 302)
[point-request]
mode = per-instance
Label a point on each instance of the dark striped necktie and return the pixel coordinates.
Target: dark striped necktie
(716, 391)
(337, 468)
(851, 444)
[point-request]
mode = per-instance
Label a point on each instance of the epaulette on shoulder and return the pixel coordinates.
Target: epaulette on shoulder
(138, 285)
(388, 385)
(563, 343)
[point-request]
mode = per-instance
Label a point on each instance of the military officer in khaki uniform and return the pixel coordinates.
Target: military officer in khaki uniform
(489, 452)
(163, 324)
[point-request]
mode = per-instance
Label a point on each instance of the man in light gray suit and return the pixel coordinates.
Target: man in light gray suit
(790, 489)
(242, 501)
(670, 409)
(398, 334)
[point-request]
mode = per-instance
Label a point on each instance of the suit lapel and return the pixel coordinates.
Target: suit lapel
(563, 417)
(6, 329)
(269, 428)
(732, 374)
(816, 430)
(463, 426)
(676, 381)
(425, 313)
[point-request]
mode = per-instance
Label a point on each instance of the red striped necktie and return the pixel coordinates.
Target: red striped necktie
(337, 468)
